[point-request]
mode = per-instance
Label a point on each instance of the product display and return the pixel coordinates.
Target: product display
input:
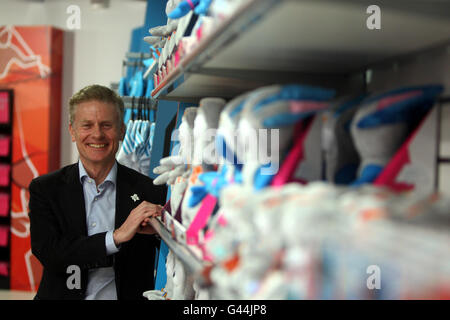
(174, 171)
(4, 269)
(350, 224)
(317, 229)
(341, 157)
(5, 142)
(6, 164)
(136, 148)
(4, 204)
(4, 108)
(382, 124)
(4, 236)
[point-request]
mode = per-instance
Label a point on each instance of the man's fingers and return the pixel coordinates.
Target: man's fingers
(147, 230)
(144, 211)
(159, 210)
(145, 222)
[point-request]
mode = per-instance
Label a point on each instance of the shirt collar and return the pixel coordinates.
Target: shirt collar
(112, 175)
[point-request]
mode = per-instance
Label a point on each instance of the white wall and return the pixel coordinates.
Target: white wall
(444, 168)
(92, 54)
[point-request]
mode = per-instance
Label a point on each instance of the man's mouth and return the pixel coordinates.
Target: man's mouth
(97, 145)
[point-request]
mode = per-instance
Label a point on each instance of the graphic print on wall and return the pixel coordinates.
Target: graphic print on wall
(31, 65)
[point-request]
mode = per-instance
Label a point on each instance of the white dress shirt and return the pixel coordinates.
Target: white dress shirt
(100, 204)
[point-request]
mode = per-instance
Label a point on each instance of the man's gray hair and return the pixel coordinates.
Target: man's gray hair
(99, 93)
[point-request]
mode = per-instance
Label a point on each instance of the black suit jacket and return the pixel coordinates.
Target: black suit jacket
(59, 234)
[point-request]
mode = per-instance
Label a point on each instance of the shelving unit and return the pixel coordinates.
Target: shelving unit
(6, 105)
(269, 41)
(181, 251)
(315, 42)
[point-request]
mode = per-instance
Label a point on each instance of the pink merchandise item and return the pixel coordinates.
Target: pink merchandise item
(4, 145)
(4, 174)
(201, 219)
(4, 235)
(4, 108)
(4, 268)
(4, 204)
(407, 170)
(293, 158)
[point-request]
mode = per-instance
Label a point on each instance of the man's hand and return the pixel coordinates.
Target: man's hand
(146, 227)
(136, 221)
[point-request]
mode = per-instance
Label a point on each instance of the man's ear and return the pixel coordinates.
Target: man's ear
(122, 131)
(72, 132)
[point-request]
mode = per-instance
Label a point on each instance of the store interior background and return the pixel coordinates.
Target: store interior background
(92, 54)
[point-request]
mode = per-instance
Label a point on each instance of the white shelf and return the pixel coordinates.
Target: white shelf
(180, 250)
(329, 37)
(151, 70)
(303, 37)
(200, 85)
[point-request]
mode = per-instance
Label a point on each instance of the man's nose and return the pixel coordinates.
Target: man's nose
(97, 131)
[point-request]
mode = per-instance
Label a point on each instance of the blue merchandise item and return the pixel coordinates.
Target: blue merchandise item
(238, 176)
(348, 105)
(296, 92)
(127, 116)
(280, 107)
(138, 139)
(198, 194)
(383, 123)
(148, 62)
(123, 87)
(133, 85)
(228, 123)
(130, 136)
(214, 182)
(183, 9)
(137, 84)
(225, 152)
(346, 174)
(203, 7)
(200, 7)
(368, 174)
(285, 119)
(144, 133)
(140, 83)
(261, 180)
(149, 145)
(401, 110)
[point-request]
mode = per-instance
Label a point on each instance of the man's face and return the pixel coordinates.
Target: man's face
(96, 130)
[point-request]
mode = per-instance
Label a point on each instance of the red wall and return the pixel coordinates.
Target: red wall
(31, 65)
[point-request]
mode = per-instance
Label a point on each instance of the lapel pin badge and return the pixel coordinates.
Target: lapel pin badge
(135, 197)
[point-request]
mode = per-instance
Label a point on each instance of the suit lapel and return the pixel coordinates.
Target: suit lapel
(74, 199)
(124, 191)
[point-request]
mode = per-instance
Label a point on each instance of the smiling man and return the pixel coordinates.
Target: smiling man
(93, 216)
